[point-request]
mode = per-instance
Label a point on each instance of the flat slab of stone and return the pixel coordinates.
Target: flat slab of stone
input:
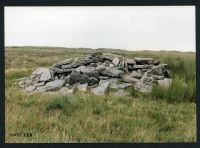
(120, 86)
(93, 81)
(85, 69)
(82, 87)
(142, 66)
(39, 84)
(157, 70)
(111, 80)
(103, 77)
(46, 75)
(101, 89)
(43, 74)
(165, 82)
(100, 68)
(158, 77)
(143, 88)
(64, 62)
(113, 72)
(130, 61)
(144, 60)
(129, 78)
(66, 91)
(51, 86)
(136, 75)
(78, 78)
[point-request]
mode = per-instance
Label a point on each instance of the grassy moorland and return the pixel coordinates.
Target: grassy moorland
(165, 115)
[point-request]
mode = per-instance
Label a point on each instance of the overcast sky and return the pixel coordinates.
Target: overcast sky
(130, 28)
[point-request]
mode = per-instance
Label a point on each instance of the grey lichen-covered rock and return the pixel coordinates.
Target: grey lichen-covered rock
(99, 70)
(67, 79)
(103, 77)
(43, 74)
(82, 87)
(129, 78)
(112, 80)
(130, 67)
(157, 70)
(156, 77)
(93, 74)
(39, 84)
(46, 75)
(123, 64)
(61, 71)
(101, 89)
(136, 75)
(120, 86)
(78, 78)
(115, 61)
(64, 62)
(143, 60)
(51, 86)
(165, 82)
(55, 83)
(142, 66)
(67, 91)
(85, 69)
(121, 93)
(130, 61)
(112, 72)
(111, 65)
(143, 88)
(93, 81)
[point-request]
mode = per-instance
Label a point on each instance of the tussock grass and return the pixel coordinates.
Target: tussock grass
(166, 115)
(183, 86)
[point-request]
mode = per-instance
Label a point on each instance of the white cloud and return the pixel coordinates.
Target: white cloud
(132, 28)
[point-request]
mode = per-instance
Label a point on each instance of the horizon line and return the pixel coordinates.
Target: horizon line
(96, 48)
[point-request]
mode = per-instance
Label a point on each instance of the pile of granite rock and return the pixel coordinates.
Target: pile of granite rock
(99, 73)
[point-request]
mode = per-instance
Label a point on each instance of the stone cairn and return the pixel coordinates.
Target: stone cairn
(97, 73)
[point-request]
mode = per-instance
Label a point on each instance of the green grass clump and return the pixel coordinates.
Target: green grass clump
(175, 93)
(183, 86)
(67, 104)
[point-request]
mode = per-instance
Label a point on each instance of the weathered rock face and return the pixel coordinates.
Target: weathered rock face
(165, 82)
(98, 72)
(82, 87)
(101, 89)
(112, 72)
